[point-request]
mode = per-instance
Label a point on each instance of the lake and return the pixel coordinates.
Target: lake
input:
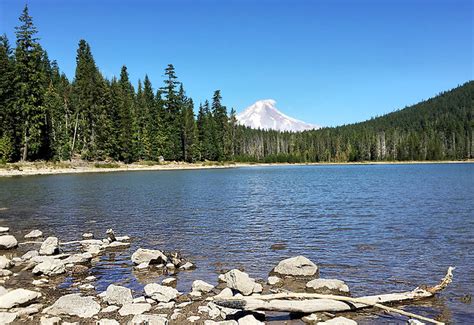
(380, 228)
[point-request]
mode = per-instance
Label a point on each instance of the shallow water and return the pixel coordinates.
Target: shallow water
(380, 228)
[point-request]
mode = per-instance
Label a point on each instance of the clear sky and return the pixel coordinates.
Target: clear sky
(326, 62)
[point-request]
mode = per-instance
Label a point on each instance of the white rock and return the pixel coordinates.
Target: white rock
(166, 305)
(50, 320)
(117, 244)
(40, 282)
(50, 267)
(225, 293)
(106, 321)
(202, 286)
(241, 282)
(148, 320)
(34, 234)
(50, 246)
(272, 280)
(118, 295)
(90, 278)
(193, 319)
(195, 294)
(225, 322)
(110, 309)
(134, 309)
(122, 238)
(152, 256)
(87, 235)
(82, 258)
(74, 305)
(327, 285)
(142, 266)
(249, 320)
(5, 263)
(17, 297)
(93, 250)
(7, 242)
(7, 318)
(139, 299)
(169, 281)
(161, 293)
(311, 319)
(339, 321)
(187, 266)
(296, 266)
(29, 255)
(415, 322)
(86, 286)
(4, 229)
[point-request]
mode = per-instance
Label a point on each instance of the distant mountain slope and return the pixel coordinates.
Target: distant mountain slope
(440, 128)
(264, 115)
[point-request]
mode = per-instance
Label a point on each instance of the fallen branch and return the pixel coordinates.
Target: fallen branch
(314, 302)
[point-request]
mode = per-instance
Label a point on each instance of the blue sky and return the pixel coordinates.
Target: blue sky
(327, 62)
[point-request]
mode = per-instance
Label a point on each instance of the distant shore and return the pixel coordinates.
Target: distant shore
(50, 168)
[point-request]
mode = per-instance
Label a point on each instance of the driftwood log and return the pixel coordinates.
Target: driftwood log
(314, 302)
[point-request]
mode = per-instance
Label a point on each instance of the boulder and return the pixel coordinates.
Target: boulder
(224, 322)
(311, 319)
(81, 258)
(50, 246)
(272, 280)
(296, 266)
(4, 229)
(148, 320)
(111, 235)
(339, 321)
(34, 234)
(50, 320)
(118, 295)
(241, 282)
(87, 235)
(202, 286)
(50, 266)
(134, 309)
(150, 256)
(110, 309)
(187, 266)
(169, 282)
(7, 242)
(74, 305)
(249, 320)
(225, 293)
(193, 319)
(18, 297)
(161, 293)
(7, 318)
(327, 286)
(5, 263)
(29, 255)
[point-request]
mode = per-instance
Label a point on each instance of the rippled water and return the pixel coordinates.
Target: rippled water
(378, 227)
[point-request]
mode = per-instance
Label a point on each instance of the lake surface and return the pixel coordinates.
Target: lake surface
(380, 228)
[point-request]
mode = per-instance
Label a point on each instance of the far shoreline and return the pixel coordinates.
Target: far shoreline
(50, 168)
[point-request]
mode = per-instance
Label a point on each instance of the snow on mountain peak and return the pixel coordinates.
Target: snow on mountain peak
(264, 115)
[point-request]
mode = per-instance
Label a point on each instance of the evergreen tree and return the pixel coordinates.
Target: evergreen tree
(188, 132)
(219, 113)
(154, 124)
(9, 130)
(126, 126)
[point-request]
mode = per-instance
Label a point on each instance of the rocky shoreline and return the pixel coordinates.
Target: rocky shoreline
(33, 273)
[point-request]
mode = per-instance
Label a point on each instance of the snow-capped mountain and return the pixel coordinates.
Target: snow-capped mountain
(264, 115)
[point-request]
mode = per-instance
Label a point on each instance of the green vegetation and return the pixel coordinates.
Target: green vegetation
(44, 116)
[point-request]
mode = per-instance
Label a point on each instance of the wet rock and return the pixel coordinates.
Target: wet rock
(50, 267)
(74, 305)
(18, 297)
(4, 229)
(241, 282)
(29, 255)
(8, 242)
(134, 309)
(7, 318)
(339, 321)
(225, 293)
(50, 246)
(110, 309)
(118, 295)
(169, 282)
(296, 266)
(161, 293)
(5, 263)
(311, 319)
(106, 321)
(34, 234)
(249, 320)
(187, 266)
(81, 258)
(150, 256)
(50, 320)
(327, 286)
(148, 320)
(272, 280)
(202, 286)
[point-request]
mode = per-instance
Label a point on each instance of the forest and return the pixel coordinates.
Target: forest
(45, 116)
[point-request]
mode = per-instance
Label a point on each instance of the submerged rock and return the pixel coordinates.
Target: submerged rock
(241, 282)
(327, 286)
(74, 305)
(296, 266)
(8, 242)
(118, 295)
(17, 297)
(50, 246)
(150, 256)
(34, 234)
(161, 293)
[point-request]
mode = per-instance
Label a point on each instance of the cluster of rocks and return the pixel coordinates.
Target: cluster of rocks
(158, 303)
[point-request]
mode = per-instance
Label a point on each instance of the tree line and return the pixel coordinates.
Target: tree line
(44, 116)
